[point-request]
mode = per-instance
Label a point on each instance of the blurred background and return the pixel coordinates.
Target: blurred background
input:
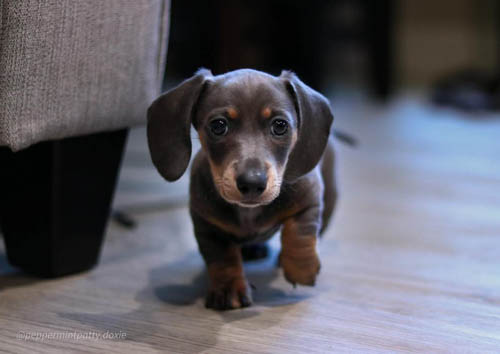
(378, 47)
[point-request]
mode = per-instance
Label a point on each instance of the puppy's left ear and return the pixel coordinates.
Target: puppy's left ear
(314, 121)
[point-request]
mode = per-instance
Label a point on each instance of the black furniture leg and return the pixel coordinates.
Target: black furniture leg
(55, 200)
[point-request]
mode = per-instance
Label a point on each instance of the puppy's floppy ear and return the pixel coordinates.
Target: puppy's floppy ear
(314, 121)
(169, 123)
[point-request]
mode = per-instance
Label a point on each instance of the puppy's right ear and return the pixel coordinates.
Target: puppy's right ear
(169, 123)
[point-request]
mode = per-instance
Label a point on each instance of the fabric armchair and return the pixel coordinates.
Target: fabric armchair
(74, 75)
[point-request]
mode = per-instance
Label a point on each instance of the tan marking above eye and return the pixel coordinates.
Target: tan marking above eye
(266, 112)
(232, 113)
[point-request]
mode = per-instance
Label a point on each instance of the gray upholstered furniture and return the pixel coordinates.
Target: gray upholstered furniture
(72, 67)
(73, 76)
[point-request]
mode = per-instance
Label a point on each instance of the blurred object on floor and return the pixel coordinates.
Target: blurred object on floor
(470, 91)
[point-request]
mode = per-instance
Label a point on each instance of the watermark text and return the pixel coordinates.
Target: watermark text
(70, 336)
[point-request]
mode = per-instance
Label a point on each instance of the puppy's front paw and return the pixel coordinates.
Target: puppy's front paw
(233, 295)
(301, 269)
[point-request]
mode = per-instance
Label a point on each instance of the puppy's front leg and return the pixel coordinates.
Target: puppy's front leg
(299, 258)
(228, 287)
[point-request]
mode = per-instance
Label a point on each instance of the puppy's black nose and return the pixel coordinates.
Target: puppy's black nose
(252, 182)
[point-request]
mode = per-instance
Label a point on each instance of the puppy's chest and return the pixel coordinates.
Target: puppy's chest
(255, 223)
(248, 220)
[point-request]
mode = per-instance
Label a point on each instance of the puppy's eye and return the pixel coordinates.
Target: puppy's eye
(279, 127)
(218, 126)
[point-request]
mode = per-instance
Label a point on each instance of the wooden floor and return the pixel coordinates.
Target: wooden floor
(411, 263)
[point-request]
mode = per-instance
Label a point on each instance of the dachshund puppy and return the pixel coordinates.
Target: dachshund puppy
(266, 164)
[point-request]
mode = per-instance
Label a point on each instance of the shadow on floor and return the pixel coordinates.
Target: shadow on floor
(161, 303)
(260, 274)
